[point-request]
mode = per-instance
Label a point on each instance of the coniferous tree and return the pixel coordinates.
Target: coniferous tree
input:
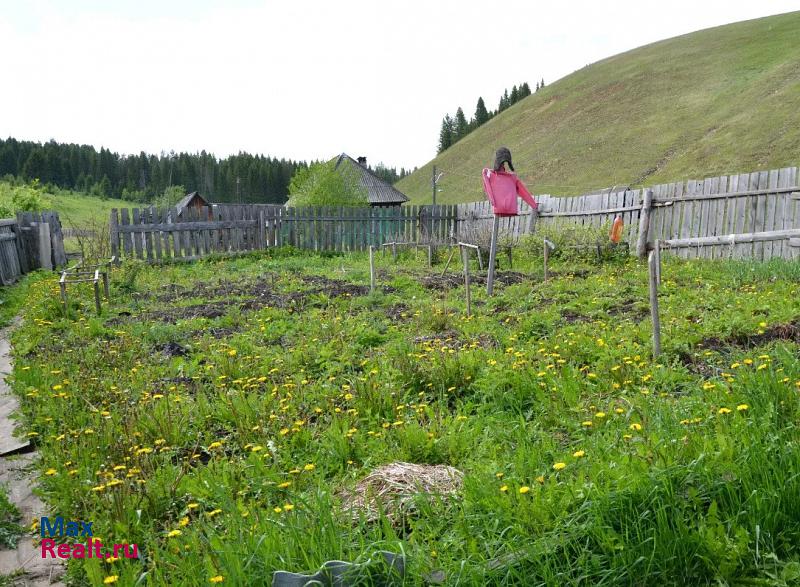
(526, 90)
(542, 84)
(514, 95)
(461, 127)
(446, 133)
(481, 114)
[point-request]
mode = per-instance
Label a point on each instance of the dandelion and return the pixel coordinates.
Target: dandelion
(110, 579)
(540, 479)
(742, 408)
(213, 513)
(587, 423)
(232, 353)
(524, 489)
(216, 579)
(277, 510)
(600, 415)
(635, 426)
(559, 466)
(183, 522)
(51, 472)
(284, 485)
(578, 454)
(287, 507)
(309, 467)
(174, 533)
(504, 488)
(193, 506)
(723, 411)
(499, 475)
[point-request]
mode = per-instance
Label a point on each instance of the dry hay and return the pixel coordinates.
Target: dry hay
(392, 488)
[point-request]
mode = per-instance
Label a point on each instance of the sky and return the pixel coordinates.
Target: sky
(300, 79)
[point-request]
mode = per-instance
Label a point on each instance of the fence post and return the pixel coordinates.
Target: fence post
(371, 269)
(644, 224)
(45, 259)
(651, 266)
(492, 256)
(465, 259)
(657, 250)
(545, 254)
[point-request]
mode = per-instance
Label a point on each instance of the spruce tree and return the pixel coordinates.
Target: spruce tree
(461, 127)
(525, 90)
(446, 133)
(514, 95)
(542, 85)
(481, 114)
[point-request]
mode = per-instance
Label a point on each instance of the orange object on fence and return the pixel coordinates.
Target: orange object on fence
(616, 230)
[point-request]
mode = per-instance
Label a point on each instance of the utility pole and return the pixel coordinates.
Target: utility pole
(433, 183)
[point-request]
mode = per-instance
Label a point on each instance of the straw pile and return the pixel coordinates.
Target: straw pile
(392, 489)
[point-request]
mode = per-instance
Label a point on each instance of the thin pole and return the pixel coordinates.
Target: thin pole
(371, 269)
(492, 257)
(97, 290)
(465, 259)
(546, 254)
(657, 251)
(651, 265)
(433, 184)
(450, 258)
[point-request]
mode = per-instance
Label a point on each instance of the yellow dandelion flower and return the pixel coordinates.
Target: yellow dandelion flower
(524, 489)
(174, 533)
(309, 467)
(183, 522)
(110, 579)
(216, 579)
(540, 479)
(742, 408)
(51, 472)
(724, 411)
(578, 454)
(600, 415)
(284, 485)
(504, 488)
(587, 423)
(635, 426)
(559, 466)
(287, 507)
(277, 510)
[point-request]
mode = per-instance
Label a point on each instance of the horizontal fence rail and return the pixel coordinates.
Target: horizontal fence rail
(747, 203)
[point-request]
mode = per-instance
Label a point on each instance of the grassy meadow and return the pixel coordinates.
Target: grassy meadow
(215, 413)
(713, 102)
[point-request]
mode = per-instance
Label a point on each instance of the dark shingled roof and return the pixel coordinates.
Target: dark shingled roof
(378, 191)
(184, 201)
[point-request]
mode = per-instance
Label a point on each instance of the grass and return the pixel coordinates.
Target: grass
(215, 410)
(10, 530)
(74, 208)
(714, 102)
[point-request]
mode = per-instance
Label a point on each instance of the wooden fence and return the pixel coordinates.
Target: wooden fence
(682, 213)
(155, 234)
(32, 240)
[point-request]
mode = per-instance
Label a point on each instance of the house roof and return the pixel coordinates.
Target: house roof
(378, 191)
(184, 201)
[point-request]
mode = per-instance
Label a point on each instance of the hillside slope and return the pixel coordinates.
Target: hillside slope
(712, 102)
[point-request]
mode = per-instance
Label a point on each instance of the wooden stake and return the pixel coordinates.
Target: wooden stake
(465, 259)
(492, 256)
(97, 290)
(657, 251)
(644, 224)
(449, 258)
(546, 255)
(651, 265)
(371, 269)
(62, 284)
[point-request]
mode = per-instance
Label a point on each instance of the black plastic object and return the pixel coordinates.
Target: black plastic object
(382, 569)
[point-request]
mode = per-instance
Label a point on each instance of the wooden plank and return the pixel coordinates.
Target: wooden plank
(127, 242)
(761, 213)
(780, 248)
(750, 237)
(137, 236)
(736, 194)
(771, 249)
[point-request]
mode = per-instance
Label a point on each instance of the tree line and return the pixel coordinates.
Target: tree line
(143, 178)
(455, 128)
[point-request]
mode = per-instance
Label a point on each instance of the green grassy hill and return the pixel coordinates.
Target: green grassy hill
(712, 102)
(75, 209)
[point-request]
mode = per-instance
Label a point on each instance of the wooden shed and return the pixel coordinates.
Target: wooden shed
(192, 200)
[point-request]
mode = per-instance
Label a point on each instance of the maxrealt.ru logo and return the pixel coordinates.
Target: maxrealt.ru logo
(92, 548)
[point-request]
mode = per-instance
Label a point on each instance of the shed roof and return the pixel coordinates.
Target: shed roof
(378, 191)
(184, 201)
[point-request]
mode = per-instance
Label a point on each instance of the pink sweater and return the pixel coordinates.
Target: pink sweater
(502, 187)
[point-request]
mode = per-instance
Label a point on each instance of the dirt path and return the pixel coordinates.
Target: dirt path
(25, 563)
